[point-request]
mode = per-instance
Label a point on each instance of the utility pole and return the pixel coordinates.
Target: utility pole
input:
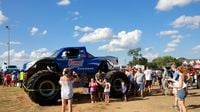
(8, 30)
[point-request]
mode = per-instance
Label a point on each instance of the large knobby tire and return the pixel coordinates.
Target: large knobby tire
(44, 88)
(115, 78)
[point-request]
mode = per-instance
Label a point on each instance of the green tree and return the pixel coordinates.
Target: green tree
(165, 61)
(152, 65)
(137, 57)
(135, 53)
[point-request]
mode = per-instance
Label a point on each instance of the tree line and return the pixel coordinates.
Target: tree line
(156, 63)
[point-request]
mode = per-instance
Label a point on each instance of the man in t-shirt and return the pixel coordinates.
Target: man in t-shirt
(148, 77)
(140, 79)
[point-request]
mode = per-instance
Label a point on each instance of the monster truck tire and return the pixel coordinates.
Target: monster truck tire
(115, 78)
(43, 87)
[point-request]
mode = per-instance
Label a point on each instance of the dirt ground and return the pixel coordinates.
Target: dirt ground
(14, 99)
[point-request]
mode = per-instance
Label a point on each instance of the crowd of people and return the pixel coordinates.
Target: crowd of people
(175, 79)
(11, 78)
(140, 82)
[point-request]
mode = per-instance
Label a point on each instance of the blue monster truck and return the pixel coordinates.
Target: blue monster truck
(42, 76)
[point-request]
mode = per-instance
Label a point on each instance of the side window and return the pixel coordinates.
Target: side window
(71, 53)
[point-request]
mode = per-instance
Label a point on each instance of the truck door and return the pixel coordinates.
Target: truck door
(72, 58)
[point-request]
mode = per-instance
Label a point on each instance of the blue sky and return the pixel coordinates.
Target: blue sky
(105, 27)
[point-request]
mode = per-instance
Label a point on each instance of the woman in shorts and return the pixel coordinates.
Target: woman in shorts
(66, 81)
(181, 88)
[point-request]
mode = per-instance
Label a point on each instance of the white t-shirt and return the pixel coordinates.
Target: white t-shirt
(4, 67)
(148, 74)
(107, 87)
(66, 89)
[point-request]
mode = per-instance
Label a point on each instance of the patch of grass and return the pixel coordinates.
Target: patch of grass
(12, 99)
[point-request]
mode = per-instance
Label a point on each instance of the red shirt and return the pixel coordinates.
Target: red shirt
(8, 78)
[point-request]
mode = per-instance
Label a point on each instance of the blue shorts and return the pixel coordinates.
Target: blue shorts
(181, 94)
(140, 86)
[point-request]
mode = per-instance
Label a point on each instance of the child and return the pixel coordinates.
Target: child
(124, 91)
(66, 82)
(14, 78)
(107, 86)
(7, 79)
(93, 86)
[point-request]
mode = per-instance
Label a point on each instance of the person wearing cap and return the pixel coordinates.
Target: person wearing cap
(66, 81)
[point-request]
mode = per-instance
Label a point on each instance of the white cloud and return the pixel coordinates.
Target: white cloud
(124, 40)
(171, 46)
(176, 40)
(15, 43)
(3, 18)
(168, 33)
(174, 43)
(169, 49)
(34, 30)
(74, 16)
(196, 49)
(118, 42)
(11, 42)
(187, 21)
(64, 2)
(44, 32)
(20, 57)
(83, 29)
(76, 34)
(42, 52)
(17, 58)
(149, 54)
(96, 35)
(166, 5)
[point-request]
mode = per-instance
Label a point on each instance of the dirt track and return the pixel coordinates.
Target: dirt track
(16, 100)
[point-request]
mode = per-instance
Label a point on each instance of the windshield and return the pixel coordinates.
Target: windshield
(90, 55)
(55, 53)
(12, 66)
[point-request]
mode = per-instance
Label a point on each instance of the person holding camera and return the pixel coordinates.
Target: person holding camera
(66, 81)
